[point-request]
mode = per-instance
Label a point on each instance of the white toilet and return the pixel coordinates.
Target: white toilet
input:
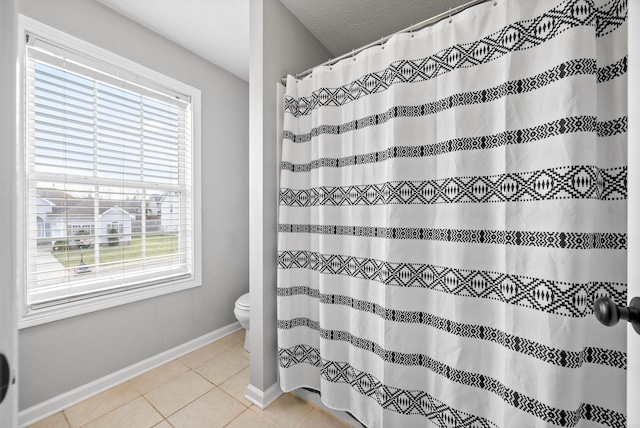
(241, 311)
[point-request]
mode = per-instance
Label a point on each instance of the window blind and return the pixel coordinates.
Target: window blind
(109, 177)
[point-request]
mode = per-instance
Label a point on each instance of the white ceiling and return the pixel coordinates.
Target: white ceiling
(218, 30)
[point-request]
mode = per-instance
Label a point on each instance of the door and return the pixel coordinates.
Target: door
(633, 278)
(8, 330)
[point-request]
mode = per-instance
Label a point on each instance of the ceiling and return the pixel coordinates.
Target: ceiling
(218, 30)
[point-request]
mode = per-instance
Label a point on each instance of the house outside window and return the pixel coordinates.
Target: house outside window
(41, 228)
(105, 141)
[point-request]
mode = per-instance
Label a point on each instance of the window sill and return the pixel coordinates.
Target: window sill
(80, 307)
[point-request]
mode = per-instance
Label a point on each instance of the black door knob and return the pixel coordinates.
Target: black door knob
(5, 376)
(608, 313)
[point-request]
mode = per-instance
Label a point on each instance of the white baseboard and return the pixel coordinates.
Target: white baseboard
(262, 399)
(56, 404)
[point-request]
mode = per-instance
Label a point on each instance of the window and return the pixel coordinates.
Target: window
(105, 142)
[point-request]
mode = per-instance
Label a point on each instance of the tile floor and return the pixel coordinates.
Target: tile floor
(203, 389)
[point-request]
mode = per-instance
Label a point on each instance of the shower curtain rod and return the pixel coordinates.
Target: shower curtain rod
(430, 21)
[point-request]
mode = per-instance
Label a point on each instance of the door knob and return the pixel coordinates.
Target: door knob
(609, 314)
(5, 376)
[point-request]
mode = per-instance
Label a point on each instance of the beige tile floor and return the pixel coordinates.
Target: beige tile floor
(203, 389)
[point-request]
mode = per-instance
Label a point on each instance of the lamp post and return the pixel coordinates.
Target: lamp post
(82, 268)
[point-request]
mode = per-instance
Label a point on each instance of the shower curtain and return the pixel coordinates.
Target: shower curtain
(451, 203)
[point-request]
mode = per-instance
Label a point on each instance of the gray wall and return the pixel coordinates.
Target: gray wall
(59, 356)
(8, 334)
(280, 44)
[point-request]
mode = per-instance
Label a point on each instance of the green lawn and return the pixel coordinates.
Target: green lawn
(156, 245)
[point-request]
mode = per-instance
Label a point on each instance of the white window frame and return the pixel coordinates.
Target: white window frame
(28, 317)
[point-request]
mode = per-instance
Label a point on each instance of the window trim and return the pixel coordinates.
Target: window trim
(29, 317)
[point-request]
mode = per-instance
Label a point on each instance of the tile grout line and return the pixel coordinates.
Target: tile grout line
(225, 379)
(235, 399)
(112, 410)
(214, 357)
(64, 415)
(305, 415)
(229, 394)
(320, 409)
(164, 418)
(215, 386)
(237, 351)
(190, 402)
(238, 415)
(143, 395)
(136, 387)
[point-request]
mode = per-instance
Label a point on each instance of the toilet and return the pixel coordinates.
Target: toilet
(241, 311)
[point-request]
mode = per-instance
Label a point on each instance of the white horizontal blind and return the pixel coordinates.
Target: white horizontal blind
(109, 179)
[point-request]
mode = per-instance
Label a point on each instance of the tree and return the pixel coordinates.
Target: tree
(113, 239)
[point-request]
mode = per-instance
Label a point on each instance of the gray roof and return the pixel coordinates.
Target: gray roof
(65, 203)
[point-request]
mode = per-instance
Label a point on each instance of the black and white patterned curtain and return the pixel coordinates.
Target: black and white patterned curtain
(451, 205)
